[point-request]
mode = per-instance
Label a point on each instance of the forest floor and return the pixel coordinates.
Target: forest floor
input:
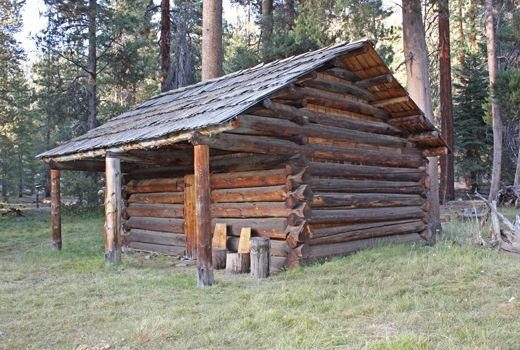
(455, 295)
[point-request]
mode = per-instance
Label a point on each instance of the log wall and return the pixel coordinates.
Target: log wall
(320, 168)
(153, 214)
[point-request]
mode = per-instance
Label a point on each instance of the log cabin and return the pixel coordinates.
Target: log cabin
(324, 153)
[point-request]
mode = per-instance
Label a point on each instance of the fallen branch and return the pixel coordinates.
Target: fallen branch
(512, 234)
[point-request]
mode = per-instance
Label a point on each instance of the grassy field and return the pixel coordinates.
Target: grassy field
(455, 295)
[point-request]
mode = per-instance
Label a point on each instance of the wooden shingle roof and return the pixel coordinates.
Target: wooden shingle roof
(214, 102)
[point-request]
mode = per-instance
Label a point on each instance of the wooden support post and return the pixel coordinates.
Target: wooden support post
(203, 216)
(260, 248)
(113, 203)
(189, 217)
(55, 209)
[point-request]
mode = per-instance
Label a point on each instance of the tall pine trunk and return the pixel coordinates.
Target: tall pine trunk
(267, 24)
(517, 171)
(92, 65)
(447, 192)
(495, 109)
(165, 44)
(211, 39)
(419, 87)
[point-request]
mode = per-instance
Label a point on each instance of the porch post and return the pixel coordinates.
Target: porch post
(203, 216)
(112, 210)
(55, 209)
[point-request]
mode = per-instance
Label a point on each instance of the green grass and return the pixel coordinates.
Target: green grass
(455, 295)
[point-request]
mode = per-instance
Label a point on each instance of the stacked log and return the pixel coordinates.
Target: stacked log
(320, 169)
(153, 215)
(272, 202)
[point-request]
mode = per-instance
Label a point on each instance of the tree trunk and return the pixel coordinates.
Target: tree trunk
(211, 39)
(48, 147)
(495, 109)
(92, 65)
(461, 37)
(165, 43)
(267, 24)
(517, 171)
(447, 171)
(419, 86)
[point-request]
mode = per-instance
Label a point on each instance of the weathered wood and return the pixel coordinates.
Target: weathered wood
(353, 216)
(257, 210)
(364, 186)
(260, 257)
(425, 137)
(266, 126)
(278, 247)
(412, 123)
(383, 230)
(369, 157)
(312, 253)
(374, 81)
(297, 235)
(435, 152)
(365, 172)
(284, 111)
(55, 209)
(219, 236)
(249, 179)
(243, 242)
(155, 210)
(326, 99)
(160, 172)
(156, 198)
(189, 217)
(296, 198)
(203, 216)
(342, 74)
(339, 87)
(250, 194)
(333, 120)
(262, 227)
(219, 257)
(391, 101)
(365, 200)
(155, 224)
(154, 185)
(158, 248)
(318, 231)
(237, 263)
(113, 205)
(155, 237)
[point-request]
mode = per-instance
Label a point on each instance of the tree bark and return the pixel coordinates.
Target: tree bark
(517, 171)
(55, 209)
(267, 24)
(211, 39)
(495, 109)
(447, 170)
(92, 65)
(419, 86)
(165, 43)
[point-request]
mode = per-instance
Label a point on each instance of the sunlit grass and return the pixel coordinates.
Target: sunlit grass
(454, 295)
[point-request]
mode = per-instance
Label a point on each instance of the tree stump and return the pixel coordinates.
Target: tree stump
(260, 248)
(219, 258)
(237, 262)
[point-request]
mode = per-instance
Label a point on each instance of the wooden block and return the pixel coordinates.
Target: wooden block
(220, 236)
(243, 243)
